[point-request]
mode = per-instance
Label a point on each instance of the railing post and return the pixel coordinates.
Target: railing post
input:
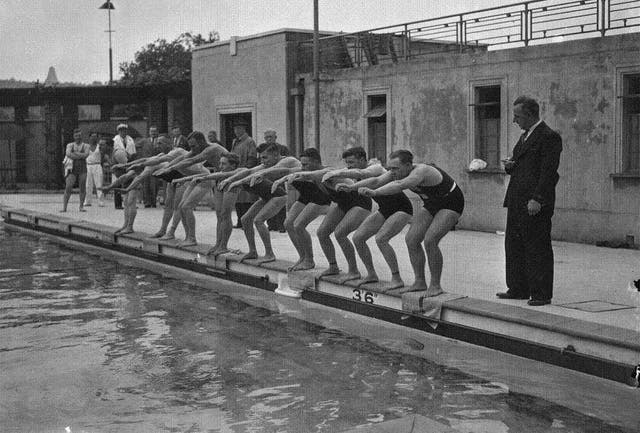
(524, 24)
(405, 43)
(462, 32)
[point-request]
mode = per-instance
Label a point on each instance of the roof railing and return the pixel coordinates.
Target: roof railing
(521, 24)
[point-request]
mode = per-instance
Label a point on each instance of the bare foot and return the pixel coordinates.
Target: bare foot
(63, 210)
(117, 232)
(267, 258)
(331, 270)
(419, 286)
(82, 209)
(368, 279)
(168, 237)
(216, 251)
(304, 265)
(126, 231)
(350, 276)
(249, 256)
(188, 243)
(157, 235)
(293, 267)
(434, 291)
(394, 285)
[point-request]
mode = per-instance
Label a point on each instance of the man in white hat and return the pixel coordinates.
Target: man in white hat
(125, 141)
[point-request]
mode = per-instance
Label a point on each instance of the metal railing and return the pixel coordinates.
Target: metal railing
(522, 24)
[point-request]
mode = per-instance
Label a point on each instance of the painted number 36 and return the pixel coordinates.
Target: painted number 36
(363, 296)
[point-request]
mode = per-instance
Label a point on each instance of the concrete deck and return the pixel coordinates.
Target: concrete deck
(474, 268)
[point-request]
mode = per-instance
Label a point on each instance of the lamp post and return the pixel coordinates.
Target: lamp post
(109, 7)
(316, 75)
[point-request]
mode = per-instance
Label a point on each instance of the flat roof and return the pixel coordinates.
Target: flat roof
(262, 35)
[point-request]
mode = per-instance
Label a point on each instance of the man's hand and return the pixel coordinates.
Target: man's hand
(120, 165)
(255, 179)
(344, 187)
(223, 184)
(533, 207)
(508, 164)
(331, 175)
(160, 172)
(277, 183)
(236, 184)
(367, 192)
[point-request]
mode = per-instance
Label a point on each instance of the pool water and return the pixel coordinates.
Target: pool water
(88, 344)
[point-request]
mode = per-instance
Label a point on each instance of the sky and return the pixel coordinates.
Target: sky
(71, 36)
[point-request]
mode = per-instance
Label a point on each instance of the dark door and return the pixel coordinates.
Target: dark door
(226, 127)
(378, 138)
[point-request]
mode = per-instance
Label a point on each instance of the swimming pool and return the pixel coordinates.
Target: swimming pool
(90, 343)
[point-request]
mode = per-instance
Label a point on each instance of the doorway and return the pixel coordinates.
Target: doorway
(377, 127)
(226, 127)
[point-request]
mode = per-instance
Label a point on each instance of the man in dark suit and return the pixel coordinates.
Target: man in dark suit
(179, 140)
(530, 201)
(150, 147)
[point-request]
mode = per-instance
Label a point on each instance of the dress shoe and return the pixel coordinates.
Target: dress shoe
(538, 302)
(507, 295)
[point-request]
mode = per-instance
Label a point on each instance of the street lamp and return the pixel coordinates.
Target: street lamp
(109, 7)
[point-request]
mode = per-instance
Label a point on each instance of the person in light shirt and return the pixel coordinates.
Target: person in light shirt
(122, 139)
(94, 169)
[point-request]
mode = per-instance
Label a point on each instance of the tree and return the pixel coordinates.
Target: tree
(164, 62)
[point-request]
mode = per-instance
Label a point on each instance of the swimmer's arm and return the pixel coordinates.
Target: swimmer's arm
(373, 182)
(414, 179)
(187, 178)
(356, 173)
(219, 175)
(284, 167)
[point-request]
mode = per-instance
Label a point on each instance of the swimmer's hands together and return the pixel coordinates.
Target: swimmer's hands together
(330, 175)
(367, 192)
(255, 179)
(345, 187)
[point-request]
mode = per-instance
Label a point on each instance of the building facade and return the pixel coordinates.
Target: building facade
(450, 105)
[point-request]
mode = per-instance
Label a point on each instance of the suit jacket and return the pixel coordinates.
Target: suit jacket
(535, 173)
(147, 148)
(180, 141)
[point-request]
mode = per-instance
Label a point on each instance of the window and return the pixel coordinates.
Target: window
(376, 116)
(7, 114)
(35, 112)
(631, 123)
(88, 112)
(486, 116)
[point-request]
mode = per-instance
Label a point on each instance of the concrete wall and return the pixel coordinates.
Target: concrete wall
(576, 83)
(256, 79)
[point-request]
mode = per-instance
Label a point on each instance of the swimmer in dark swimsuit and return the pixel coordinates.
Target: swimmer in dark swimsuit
(155, 164)
(130, 196)
(348, 210)
(312, 202)
(224, 200)
(200, 152)
(394, 212)
(259, 178)
(443, 205)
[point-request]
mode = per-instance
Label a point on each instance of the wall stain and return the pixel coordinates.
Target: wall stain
(563, 106)
(602, 105)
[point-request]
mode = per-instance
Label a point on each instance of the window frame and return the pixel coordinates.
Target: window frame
(367, 95)
(503, 147)
(621, 164)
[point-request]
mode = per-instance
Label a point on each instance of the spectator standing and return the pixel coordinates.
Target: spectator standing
(530, 202)
(276, 223)
(246, 149)
(122, 138)
(150, 146)
(118, 156)
(178, 139)
(94, 170)
(77, 152)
